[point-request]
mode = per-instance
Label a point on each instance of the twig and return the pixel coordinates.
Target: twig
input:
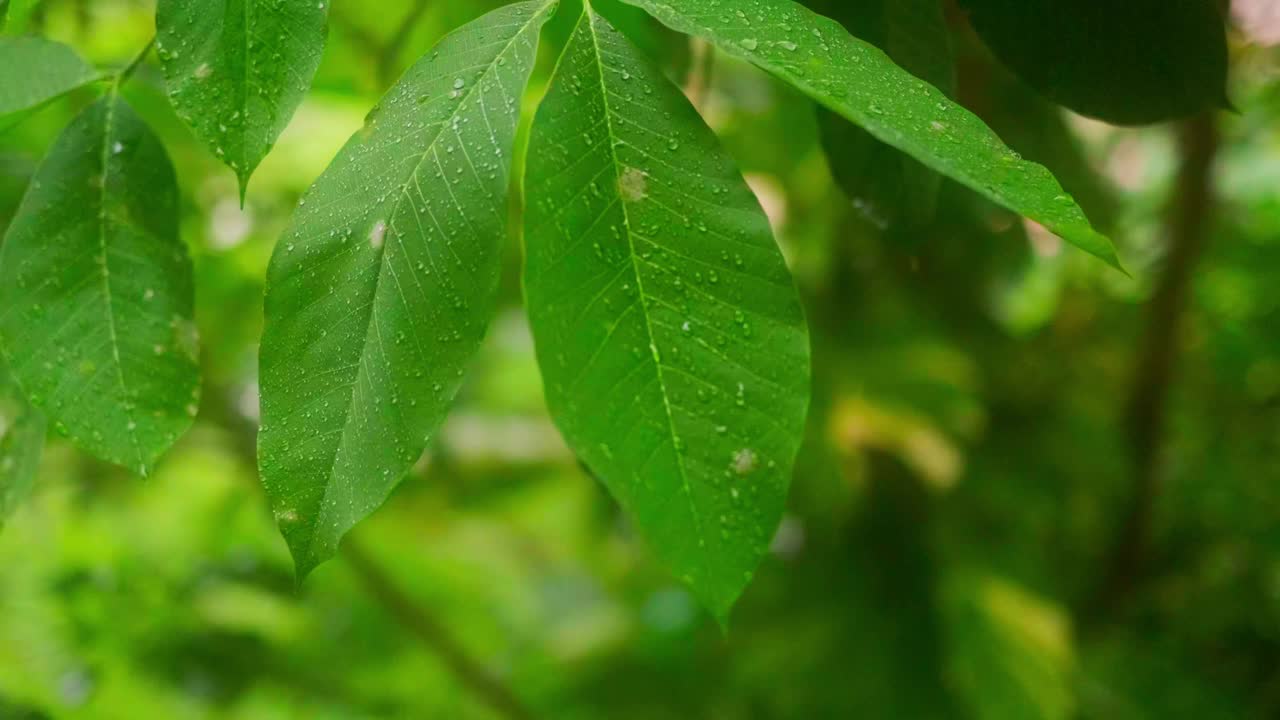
(390, 53)
(418, 620)
(128, 70)
(379, 584)
(386, 53)
(1190, 215)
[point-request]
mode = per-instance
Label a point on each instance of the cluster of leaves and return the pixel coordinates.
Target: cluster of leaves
(674, 350)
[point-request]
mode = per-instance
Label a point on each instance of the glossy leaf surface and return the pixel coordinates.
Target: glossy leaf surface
(854, 78)
(96, 291)
(238, 69)
(671, 338)
(889, 187)
(382, 288)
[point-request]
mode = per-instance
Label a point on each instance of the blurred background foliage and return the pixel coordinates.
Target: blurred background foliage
(958, 543)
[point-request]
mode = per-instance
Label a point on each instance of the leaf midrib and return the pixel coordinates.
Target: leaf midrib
(382, 259)
(589, 18)
(105, 157)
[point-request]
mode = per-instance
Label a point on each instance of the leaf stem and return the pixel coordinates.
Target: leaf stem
(128, 70)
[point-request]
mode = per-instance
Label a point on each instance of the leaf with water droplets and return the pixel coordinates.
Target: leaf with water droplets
(34, 71)
(1131, 63)
(857, 80)
(237, 70)
(381, 290)
(22, 430)
(890, 188)
(96, 291)
(670, 335)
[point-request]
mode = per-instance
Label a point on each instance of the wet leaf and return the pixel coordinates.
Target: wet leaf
(670, 335)
(22, 90)
(889, 187)
(238, 69)
(22, 430)
(854, 78)
(1130, 63)
(96, 291)
(382, 288)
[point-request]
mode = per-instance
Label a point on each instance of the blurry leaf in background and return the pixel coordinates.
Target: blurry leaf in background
(96, 291)
(857, 80)
(237, 70)
(1010, 652)
(384, 285)
(1130, 63)
(669, 332)
(60, 71)
(22, 429)
(889, 187)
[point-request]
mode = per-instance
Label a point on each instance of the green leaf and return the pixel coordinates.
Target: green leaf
(34, 71)
(22, 430)
(96, 291)
(670, 334)
(381, 290)
(1130, 63)
(856, 79)
(238, 69)
(889, 187)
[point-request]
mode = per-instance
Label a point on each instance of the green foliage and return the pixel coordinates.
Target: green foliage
(61, 71)
(381, 290)
(238, 69)
(895, 446)
(857, 80)
(1133, 62)
(892, 189)
(671, 338)
(97, 291)
(22, 429)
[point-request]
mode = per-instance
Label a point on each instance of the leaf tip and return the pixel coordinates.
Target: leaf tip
(243, 180)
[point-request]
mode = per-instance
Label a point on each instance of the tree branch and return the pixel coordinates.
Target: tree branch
(1189, 220)
(419, 621)
(380, 585)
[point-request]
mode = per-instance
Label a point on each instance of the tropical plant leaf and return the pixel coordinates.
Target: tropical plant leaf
(22, 429)
(670, 335)
(381, 290)
(34, 71)
(238, 69)
(856, 79)
(96, 291)
(1130, 63)
(892, 189)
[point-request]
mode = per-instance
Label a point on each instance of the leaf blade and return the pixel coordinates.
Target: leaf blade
(890, 188)
(237, 70)
(381, 291)
(855, 79)
(61, 70)
(96, 290)
(649, 344)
